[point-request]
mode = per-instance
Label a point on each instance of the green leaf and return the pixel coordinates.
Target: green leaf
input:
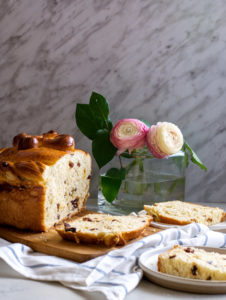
(110, 125)
(111, 183)
(126, 155)
(194, 157)
(86, 121)
(145, 122)
(116, 173)
(100, 108)
(103, 150)
(186, 158)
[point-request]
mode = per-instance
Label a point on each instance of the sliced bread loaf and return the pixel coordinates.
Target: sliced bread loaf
(43, 179)
(182, 213)
(95, 228)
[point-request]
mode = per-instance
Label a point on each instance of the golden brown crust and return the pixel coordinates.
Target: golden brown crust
(79, 237)
(44, 155)
(173, 220)
(25, 162)
(51, 139)
(108, 239)
(22, 207)
(22, 172)
(163, 219)
(46, 148)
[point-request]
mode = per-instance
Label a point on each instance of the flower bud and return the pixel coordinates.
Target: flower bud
(164, 139)
(128, 134)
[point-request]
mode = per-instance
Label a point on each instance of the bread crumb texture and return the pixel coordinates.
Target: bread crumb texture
(104, 229)
(182, 213)
(194, 263)
(67, 186)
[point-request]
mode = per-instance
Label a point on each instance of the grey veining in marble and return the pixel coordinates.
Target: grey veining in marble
(156, 60)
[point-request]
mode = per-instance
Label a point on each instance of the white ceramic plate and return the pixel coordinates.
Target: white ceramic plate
(148, 263)
(221, 227)
(163, 225)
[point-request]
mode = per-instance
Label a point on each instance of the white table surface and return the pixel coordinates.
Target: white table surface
(13, 286)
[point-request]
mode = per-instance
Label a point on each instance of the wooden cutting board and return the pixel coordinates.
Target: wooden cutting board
(51, 243)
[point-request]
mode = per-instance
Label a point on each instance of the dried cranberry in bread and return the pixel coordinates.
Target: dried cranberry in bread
(182, 213)
(43, 179)
(103, 229)
(194, 263)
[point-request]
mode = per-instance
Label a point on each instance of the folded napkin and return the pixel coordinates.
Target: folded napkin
(114, 274)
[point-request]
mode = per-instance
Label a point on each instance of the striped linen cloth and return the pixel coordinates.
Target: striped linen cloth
(114, 274)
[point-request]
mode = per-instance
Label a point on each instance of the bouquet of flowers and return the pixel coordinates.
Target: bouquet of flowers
(130, 138)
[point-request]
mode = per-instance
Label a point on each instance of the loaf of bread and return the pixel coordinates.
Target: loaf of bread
(194, 263)
(95, 228)
(43, 179)
(182, 213)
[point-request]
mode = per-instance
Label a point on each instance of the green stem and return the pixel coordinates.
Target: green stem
(129, 167)
(141, 165)
(120, 161)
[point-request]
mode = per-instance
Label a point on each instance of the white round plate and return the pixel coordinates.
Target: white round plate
(148, 264)
(163, 225)
(221, 227)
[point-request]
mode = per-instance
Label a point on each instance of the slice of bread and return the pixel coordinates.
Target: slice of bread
(194, 263)
(182, 213)
(96, 228)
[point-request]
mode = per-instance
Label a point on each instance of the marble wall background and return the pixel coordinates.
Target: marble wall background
(158, 60)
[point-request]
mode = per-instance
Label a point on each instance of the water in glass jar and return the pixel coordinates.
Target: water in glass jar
(160, 180)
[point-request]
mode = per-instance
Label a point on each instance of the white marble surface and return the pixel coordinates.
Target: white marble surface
(14, 287)
(156, 60)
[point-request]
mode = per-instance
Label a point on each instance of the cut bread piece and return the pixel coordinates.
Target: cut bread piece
(194, 263)
(182, 213)
(95, 228)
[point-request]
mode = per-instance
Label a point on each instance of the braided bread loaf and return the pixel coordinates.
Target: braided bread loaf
(43, 179)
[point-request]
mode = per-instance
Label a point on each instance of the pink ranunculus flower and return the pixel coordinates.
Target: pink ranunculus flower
(128, 134)
(164, 139)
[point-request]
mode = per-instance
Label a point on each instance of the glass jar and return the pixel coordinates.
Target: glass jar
(148, 180)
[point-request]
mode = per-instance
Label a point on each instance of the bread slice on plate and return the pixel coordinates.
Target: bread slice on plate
(96, 228)
(182, 213)
(193, 263)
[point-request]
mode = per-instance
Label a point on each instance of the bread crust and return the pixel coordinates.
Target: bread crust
(109, 239)
(22, 207)
(22, 183)
(26, 167)
(173, 220)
